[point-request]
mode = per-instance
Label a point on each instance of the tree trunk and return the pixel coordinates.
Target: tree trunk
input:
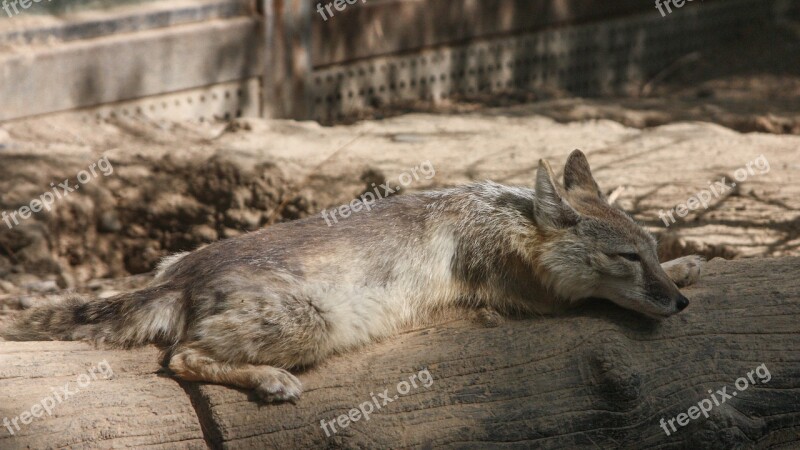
(597, 377)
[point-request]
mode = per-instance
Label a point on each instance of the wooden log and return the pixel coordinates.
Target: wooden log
(599, 376)
(89, 398)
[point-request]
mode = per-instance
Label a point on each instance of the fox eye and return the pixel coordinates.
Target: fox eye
(630, 256)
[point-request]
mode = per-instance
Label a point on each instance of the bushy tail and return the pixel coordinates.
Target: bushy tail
(149, 315)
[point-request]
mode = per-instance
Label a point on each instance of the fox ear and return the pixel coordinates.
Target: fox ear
(551, 210)
(578, 175)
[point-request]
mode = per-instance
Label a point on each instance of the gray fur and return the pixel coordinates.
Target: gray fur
(242, 310)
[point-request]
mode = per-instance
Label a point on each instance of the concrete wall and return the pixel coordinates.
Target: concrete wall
(125, 54)
(69, 6)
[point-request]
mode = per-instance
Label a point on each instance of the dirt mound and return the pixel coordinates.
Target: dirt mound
(74, 214)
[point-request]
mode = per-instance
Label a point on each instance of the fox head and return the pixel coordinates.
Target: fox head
(591, 249)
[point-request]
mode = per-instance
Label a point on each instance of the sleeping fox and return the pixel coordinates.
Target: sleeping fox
(245, 311)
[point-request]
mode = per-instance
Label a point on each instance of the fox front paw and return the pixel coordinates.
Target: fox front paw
(489, 317)
(278, 385)
(684, 271)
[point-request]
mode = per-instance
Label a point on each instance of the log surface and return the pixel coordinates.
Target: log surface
(599, 376)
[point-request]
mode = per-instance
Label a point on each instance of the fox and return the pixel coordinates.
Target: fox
(247, 311)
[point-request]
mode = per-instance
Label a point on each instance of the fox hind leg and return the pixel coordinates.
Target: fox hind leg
(684, 271)
(270, 384)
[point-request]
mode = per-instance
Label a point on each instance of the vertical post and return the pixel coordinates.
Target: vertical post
(287, 34)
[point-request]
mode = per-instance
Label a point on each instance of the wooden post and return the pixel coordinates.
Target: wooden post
(287, 36)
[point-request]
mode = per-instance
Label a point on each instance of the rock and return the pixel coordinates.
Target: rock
(246, 219)
(6, 287)
(204, 233)
(409, 138)
(23, 279)
(230, 232)
(42, 286)
(109, 222)
(172, 206)
(25, 302)
(242, 197)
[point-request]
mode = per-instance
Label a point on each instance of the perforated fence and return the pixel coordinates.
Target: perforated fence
(219, 59)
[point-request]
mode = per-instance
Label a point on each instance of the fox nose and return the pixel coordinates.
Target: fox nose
(682, 303)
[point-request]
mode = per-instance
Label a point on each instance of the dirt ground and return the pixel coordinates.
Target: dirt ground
(176, 186)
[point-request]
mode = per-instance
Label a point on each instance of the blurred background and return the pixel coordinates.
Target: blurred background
(294, 59)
